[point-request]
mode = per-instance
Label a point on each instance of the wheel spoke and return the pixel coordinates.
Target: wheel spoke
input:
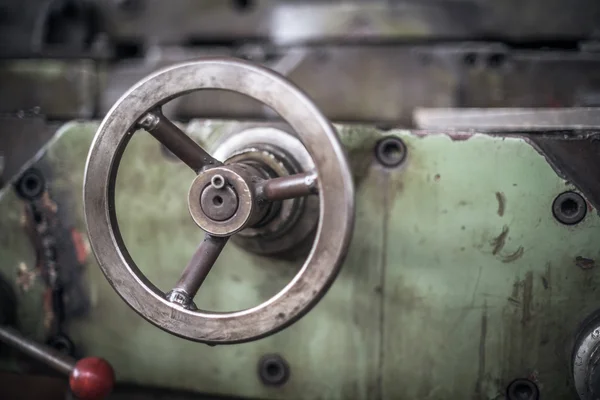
(178, 143)
(197, 270)
(289, 187)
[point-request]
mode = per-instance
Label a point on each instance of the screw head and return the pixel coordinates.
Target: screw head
(273, 370)
(522, 389)
(569, 208)
(390, 151)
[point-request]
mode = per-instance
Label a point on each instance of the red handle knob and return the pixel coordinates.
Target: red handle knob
(92, 379)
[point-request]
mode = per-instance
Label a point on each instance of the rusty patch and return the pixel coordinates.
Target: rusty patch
(527, 298)
(499, 241)
(513, 256)
(82, 247)
(501, 203)
(585, 263)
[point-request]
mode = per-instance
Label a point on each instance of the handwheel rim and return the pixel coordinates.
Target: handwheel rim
(336, 195)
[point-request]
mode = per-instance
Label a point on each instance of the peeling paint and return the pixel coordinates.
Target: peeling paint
(513, 256)
(585, 263)
(501, 203)
(499, 241)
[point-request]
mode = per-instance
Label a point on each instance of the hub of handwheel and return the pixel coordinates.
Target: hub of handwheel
(232, 204)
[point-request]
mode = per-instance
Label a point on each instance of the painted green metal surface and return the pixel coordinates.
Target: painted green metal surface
(458, 279)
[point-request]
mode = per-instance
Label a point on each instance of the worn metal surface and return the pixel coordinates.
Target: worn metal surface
(176, 141)
(458, 279)
(509, 119)
(336, 200)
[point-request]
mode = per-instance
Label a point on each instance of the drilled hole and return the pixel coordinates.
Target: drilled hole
(217, 200)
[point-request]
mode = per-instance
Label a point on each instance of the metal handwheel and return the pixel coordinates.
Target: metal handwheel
(223, 199)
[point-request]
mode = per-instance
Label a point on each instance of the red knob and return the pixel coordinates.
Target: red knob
(92, 379)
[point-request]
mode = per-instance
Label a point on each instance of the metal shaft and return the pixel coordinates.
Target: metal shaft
(200, 265)
(180, 144)
(289, 187)
(45, 354)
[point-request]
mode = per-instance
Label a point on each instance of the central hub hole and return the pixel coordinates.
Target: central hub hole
(569, 207)
(217, 201)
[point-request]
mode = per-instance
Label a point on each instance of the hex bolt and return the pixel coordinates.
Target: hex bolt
(569, 208)
(390, 151)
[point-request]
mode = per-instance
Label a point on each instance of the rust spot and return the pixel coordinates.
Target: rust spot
(82, 249)
(499, 242)
(585, 263)
(436, 177)
(513, 256)
(501, 203)
(527, 298)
